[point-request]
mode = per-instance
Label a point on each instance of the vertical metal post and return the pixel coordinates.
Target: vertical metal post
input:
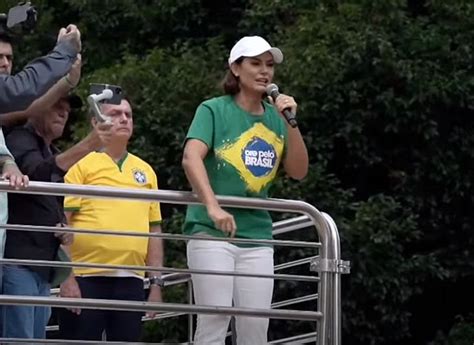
(337, 310)
(327, 296)
(233, 331)
(323, 296)
(324, 293)
(335, 285)
(190, 316)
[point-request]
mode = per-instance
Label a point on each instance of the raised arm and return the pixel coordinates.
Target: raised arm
(58, 90)
(296, 159)
(19, 91)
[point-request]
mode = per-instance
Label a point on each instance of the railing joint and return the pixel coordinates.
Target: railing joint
(330, 265)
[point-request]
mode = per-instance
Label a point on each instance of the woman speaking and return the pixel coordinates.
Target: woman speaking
(234, 146)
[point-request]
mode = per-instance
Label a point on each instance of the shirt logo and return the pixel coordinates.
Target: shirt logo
(259, 157)
(255, 154)
(139, 176)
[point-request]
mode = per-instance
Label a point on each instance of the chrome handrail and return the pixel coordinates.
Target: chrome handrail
(74, 342)
(167, 236)
(156, 269)
(291, 224)
(298, 339)
(329, 253)
(106, 304)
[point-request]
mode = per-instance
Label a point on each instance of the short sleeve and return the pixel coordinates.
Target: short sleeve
(155, 210)
(3, 146)
(75, 175)
(202, 127)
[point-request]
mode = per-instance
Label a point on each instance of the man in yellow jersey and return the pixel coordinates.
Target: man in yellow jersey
(113, 167)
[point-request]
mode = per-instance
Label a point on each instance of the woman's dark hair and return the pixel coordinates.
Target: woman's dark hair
(230, 83)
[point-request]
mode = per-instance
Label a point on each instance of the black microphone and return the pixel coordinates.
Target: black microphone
(272, 91)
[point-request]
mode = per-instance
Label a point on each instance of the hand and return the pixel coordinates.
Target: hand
(74, 74)
(284, 102)
(70, 288)
(154, 296)
(14, 175)
(223, 220)
(72, 35)
(65, 238)
(101, 134)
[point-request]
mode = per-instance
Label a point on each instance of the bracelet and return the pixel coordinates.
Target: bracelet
(66, 78)
(158, 281)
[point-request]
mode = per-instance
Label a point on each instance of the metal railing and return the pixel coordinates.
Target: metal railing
(328, 264)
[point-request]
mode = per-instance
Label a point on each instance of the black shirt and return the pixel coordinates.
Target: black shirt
(37, 160)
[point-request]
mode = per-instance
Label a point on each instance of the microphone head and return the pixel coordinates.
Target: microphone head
(272, 89)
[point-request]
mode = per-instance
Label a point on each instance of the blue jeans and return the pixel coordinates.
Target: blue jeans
(24, 321)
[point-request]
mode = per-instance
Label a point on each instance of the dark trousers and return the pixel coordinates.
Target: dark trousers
(118, 325)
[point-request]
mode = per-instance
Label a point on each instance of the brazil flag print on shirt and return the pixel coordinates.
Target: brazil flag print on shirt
(245, 152)
(255, 155)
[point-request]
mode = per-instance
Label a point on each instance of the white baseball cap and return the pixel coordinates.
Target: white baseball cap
(250, 46)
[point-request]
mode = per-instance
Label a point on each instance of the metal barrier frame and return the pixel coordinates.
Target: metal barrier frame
(329, 264)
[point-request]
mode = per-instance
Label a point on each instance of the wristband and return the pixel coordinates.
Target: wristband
(158, 281)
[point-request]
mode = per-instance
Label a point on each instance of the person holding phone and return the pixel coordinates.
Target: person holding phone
(235, 146)
(114, 166)
(32, 147)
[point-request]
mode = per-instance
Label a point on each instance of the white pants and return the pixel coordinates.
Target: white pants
(221, 290)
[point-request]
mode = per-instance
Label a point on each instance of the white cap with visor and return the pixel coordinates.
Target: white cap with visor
(250, 46)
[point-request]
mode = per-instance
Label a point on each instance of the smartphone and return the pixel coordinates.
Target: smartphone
(117, 92)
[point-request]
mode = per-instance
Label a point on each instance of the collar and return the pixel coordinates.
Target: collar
(30, 128)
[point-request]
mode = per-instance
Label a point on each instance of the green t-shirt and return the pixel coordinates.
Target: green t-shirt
(245, 152)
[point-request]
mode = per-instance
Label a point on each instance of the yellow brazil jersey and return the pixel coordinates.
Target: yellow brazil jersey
(99, 169)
